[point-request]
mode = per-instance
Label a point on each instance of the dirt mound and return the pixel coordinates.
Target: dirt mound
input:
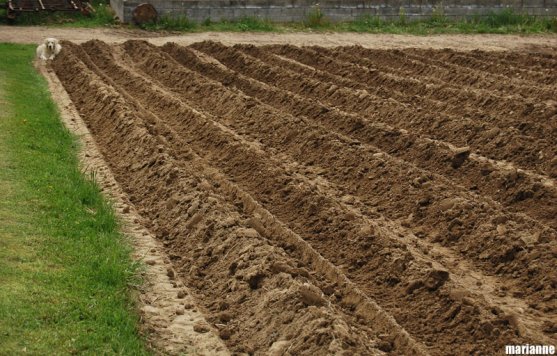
(338, 200)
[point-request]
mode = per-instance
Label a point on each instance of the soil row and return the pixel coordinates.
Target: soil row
(483, 104)
(441, 71)
(400, 191)
(530, 66)
(251, 277)
(484, 138)
(502, 105)
(297, 191)
(525, 194)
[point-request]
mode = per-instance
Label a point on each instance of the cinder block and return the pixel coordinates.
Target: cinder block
(295, 14)
(359, 13)
(535, 3)
(196, 14)
(241, 12)
(338, 15)
(222, 13)
(257, 3)
(413, 3)
(237, 3)
(388, 11)
(118, 7)
(515, 4)
(541, 11)
(329, 4)
(488, 3)
(411, 10)
(456, 11)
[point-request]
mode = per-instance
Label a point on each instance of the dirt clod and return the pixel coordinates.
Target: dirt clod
(460, 155)
(311, 295)
(201, 327)
(435, 279)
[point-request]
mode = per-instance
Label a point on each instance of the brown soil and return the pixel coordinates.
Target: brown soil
(341, 200)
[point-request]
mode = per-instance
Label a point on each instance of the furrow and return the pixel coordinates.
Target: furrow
(257, 282)
(478, 174)
(530, 114)
(319, 201)
(443, 98)
(420, 200)
(491, 142)
(529, 61)
(438, 72)
(239, 160)
(482, 61)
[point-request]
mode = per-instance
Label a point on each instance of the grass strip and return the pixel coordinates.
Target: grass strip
(65, 271)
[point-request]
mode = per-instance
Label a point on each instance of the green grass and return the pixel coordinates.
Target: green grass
(246, 24)
(65, 271)
(316, 19)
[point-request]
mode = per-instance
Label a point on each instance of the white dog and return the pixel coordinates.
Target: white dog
(49, 49)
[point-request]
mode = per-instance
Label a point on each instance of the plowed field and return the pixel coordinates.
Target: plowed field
(339, 200)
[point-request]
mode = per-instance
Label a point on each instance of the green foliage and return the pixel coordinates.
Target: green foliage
(508, 21)
(65, 270)
(507, 17)
(438, 16)
(366, 23)
(253, 24)
(102, 16)
(183, 24)
(245, 24)
(402, 18)
(170, 24)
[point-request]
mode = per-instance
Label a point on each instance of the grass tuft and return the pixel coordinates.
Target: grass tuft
(316, 19)
(170, 24)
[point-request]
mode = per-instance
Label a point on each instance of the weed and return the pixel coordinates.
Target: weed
(181, 23)
(402, 17)
(315, 18)
(438, 16)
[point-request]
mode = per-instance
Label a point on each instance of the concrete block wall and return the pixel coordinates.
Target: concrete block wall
(334, 10)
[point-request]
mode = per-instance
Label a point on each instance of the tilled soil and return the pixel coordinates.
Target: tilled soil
(339, 200)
